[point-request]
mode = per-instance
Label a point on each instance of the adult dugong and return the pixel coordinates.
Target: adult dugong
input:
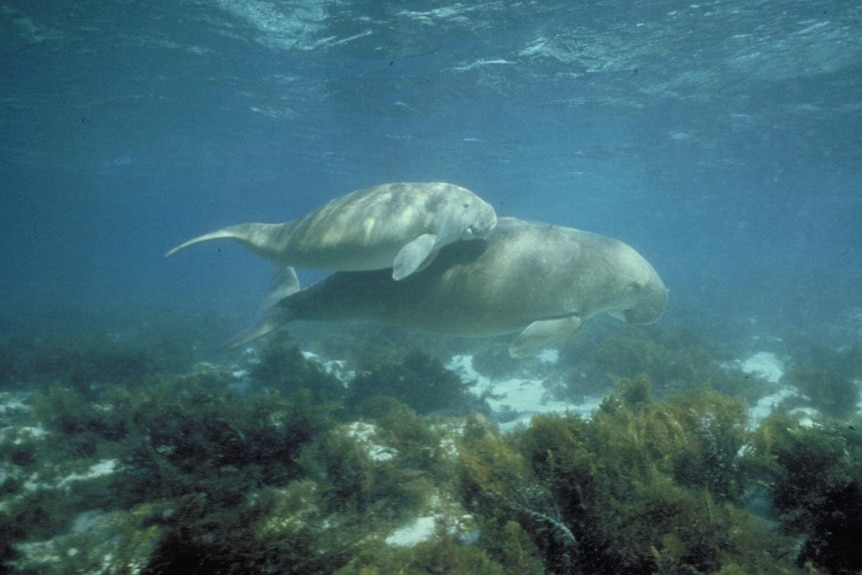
(399, 226)
(539, 279)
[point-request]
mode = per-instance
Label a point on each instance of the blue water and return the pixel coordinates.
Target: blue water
(721, 139)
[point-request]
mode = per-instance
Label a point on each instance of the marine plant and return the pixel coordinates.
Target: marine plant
(252, 479)
(364, 344)
(443, 554)
(383, 492)
(215, 477)
(828, 379)
(282, 367)
(192, 441)
(813, 475)
(353, 480)
(643, 487)
(491, 357)
(417, 379)
(178, 436)
(674, 361)
(86, 364)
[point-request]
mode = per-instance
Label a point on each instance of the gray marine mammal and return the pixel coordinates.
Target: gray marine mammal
(398, 225)
(532, 277)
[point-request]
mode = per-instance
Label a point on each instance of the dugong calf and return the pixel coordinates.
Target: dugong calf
(400, 226)
(540, 279)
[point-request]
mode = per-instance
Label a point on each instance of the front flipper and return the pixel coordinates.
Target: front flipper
(413, 255)
(543, 333)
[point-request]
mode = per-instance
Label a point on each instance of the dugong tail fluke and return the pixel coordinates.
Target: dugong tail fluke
(284, 283)
(264, 240)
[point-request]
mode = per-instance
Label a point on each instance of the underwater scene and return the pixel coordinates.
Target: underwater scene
(366, 288)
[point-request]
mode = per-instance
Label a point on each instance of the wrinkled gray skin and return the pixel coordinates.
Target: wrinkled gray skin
(532, 277)
(400, 226)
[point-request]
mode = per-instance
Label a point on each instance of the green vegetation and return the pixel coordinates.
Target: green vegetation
(418, 380)
(642, 487)
(827, 378)
(676, 362)
(814, 473)
(283, 368)
(281, 468)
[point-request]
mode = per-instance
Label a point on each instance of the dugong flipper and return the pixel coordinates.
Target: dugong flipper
(544, 332)
(399, 226)
(532, 277)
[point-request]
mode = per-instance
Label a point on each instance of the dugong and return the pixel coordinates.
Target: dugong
(540, 279)
(399, 226)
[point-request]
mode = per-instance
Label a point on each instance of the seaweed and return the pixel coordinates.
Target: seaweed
(813, 475)
(642, 487)
(88, 364)
(492, 358)
(320, 520)
(353, 482)
(833, 541)
(218, 444)
(212, 476)
(282, 367)
(418, 380)
(444, 554)
(827, 378)
(674, 361)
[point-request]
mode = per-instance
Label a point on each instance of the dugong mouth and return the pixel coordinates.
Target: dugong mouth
(472, 232)
(650, 310)
(482, 228)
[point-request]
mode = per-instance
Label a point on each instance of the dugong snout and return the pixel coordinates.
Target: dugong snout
(650, 306)
(483, 223)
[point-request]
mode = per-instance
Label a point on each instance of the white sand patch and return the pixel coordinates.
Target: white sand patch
(410, 534)
(764, 364)
(550, 355)
(13, 402)
(364, 433)
(517, 398)
(442, 514)
(767, 404)
(19, 435)
(808, 416)
(104, 467)
(335, 367)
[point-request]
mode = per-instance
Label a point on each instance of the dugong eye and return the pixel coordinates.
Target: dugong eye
(634, 286)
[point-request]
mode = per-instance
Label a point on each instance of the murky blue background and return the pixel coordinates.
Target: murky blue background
(722, 139)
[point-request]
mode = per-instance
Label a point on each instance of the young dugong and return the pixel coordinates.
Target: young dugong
(536, 278)
(399, 226)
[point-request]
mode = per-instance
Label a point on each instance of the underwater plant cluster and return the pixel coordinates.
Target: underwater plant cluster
(117, 458)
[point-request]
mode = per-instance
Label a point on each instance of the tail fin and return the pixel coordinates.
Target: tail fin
(272, 316)
(262, 239)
